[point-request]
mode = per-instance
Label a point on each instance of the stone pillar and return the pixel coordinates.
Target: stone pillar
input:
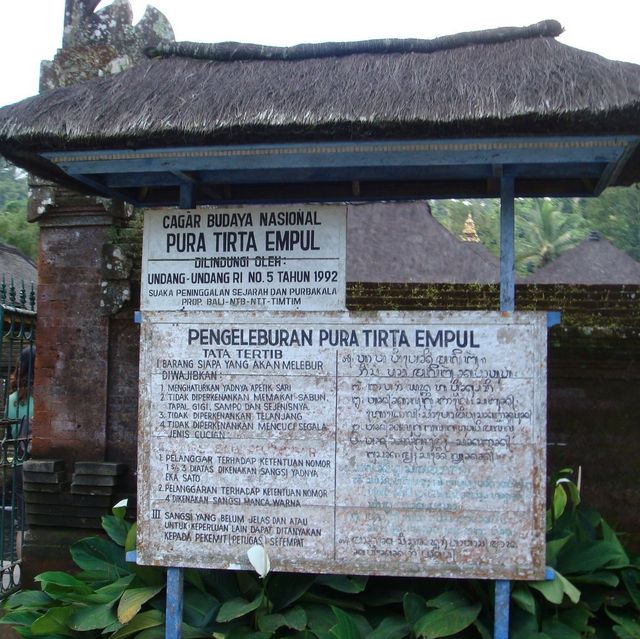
(79, 290)
(73, 330)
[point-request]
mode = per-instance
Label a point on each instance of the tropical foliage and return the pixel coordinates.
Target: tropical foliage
(547, 227)
(543, 232)
(595, 593)
(14, 228)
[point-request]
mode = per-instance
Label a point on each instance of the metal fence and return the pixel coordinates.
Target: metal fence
(17, 358)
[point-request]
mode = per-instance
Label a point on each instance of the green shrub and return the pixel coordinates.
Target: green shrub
(595, 593)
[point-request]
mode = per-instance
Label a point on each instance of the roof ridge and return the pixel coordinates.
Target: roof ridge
(230, 51)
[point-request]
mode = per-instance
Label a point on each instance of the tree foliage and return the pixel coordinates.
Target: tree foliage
(543, 232)
(546, 227)
(616, 214)
(14, 228)
(13, 184)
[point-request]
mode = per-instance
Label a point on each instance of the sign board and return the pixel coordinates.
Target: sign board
(363, 443)
(288, 257)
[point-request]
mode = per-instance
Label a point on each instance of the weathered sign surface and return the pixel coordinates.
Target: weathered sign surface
(368, 443)
(288, 257)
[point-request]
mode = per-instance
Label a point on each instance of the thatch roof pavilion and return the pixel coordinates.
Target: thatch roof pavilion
(593, 261)
(403, 243)
(335, 121)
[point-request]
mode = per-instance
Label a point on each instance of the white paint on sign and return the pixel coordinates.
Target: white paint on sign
(369, 443)
(271, 257)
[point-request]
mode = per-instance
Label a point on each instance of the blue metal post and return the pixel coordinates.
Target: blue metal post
(507, 303)
(501, 609)
(187, 196)
(507, 244)
(175, 584)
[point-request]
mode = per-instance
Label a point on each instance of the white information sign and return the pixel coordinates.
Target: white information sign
(369, 443)
(268, 257)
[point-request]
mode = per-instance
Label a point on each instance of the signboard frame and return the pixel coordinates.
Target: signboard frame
(502, 569)
(243, 258)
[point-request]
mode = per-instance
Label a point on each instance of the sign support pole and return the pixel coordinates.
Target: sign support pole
(175, 583)
(507, 303)
(175, 576)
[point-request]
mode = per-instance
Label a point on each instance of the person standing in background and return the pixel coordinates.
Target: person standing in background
(20, 401)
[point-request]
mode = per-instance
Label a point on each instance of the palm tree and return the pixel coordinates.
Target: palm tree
(543, 232)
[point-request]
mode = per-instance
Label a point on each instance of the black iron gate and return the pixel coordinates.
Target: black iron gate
(17, 359)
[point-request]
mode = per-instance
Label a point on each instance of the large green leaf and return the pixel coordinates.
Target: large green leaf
(28, 599)
(581, 557)
(20, 617)
(559, 502)
(444, 622)
(320, 619)
(62, 580)
(631, 580)
(558, 630)
(610, 536)
(554, 546)
(414, 607)
(552, 590)
(448, 600)
(238, 607)
(200, 608)
(119, 510)
(283, 589)
(346, 628)
(133, 599)
(296, 619)
(577, 617)
(116, 528)
(110, 629)
(569, 589)
(342, 583)
(130, 540)
(271, 623)
(113, 591)
(599, 577)
(53, 622)
(390, 628)
(147, 619)
(628, 626)
(523, 597)
(99, 554)
(92, 617)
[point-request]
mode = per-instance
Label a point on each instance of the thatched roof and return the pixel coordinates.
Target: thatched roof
(502, 82)
(16, 267)
(405, 243)
(594, 261)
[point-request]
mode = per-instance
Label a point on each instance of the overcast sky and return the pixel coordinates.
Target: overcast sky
(31, 30)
